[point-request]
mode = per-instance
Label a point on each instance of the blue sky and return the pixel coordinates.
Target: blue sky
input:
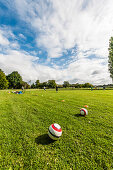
(56, 39)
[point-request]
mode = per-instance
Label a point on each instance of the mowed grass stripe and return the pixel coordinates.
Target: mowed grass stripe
(86, 143)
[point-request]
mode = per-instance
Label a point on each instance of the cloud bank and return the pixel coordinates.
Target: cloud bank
(61, 25)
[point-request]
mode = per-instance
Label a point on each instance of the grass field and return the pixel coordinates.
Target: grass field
(86, 142)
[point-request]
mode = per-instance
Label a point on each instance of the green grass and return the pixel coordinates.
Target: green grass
(86, 142)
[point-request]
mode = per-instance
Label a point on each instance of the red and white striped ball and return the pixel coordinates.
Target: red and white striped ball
(55, 131)
(83, 112)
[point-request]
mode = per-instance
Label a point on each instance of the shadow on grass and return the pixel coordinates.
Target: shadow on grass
(44, 140)
(78, 115)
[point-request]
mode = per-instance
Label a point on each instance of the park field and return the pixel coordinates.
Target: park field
(86, 142)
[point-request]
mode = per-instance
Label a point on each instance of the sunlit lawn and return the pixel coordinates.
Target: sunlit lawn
(86, 142)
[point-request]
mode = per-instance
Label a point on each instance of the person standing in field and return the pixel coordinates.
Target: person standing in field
(23, 89)
(104, 87)
(91, 88)
(56, 88)
(44, 88)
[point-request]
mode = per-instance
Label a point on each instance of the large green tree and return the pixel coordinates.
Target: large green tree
(110, 60)
(65, 84)
(3, 80)
(15, 80)
(37, 83)
(25, 85)
(44, 84)
(51, 84)
(33, 86)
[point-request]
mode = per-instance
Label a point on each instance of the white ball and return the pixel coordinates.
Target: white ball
(83, 112)
(55, 131)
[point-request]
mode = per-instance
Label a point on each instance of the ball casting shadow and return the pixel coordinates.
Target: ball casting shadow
(78, 115)
(44, 140)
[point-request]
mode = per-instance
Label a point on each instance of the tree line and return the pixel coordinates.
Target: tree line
(14, 81)
(110, 58)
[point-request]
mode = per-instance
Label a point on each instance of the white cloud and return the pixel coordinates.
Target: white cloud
(5, 43)
(83, 70)
(94, 71)
(25, 64)
(64, 24)
(22, 36)
(3, 40)
(59, 26)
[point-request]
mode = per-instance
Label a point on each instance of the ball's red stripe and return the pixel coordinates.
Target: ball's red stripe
(58, 130)
(84, 111)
